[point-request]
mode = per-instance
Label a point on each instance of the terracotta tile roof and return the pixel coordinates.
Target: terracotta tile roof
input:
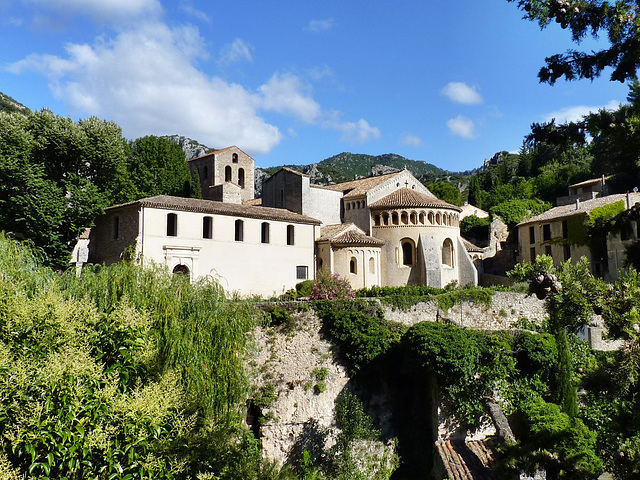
(583, 208)
(470, 247)
(347, 234)
(220, 208)
(405, 197)
(359, 187)
(253, 201)
(218, 151)
(291, 170)
(468, 460)
(591, 181)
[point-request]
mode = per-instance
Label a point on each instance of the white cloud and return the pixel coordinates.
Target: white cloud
(235, 52)
(104, 10)
(359, 132)
(461, 126)
(460, 92)
(412, 140)
(287, 94)
(317, 26)
(188, 8)
(575, 113)
(145, 80)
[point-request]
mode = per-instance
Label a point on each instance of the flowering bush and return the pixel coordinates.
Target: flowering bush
(331, 287)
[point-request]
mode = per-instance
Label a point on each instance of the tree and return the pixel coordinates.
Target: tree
(56, 176)
(447, 192)
(571, 293)
(619, 21)
(159, 166)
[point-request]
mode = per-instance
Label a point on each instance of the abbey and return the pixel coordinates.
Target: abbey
(387, 230)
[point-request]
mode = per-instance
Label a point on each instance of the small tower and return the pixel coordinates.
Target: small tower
(225, 175)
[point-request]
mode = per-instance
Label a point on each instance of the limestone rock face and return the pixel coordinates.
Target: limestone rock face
(191, 148)
(259, 176)
(380, 169)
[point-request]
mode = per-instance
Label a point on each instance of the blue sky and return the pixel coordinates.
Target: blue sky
(450, 83)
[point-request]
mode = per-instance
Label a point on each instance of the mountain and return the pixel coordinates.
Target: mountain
(8, 104)
(191, 148)
(349, 166)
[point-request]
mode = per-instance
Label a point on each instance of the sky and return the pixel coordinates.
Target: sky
(450, 83)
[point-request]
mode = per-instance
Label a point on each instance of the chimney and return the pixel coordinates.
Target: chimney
(577, 204)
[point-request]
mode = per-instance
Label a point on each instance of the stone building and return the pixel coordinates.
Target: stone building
(561, 233)
(250, 250)
(225, 175)
(399, 233)
(386, 230)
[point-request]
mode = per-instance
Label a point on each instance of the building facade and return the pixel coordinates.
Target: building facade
(386, 230)
(562, 233)
(248, 250)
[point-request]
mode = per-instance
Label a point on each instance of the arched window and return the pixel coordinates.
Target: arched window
(239, 231)
(408, 257)
(290, 235)
(234, 158)
(241, 177)
(348, 205)
(385, 219)
(421, 218)
(404, 218)
(207, 227)
(430, 217)
(353, 265)
(227, 173)
(172, 225)
(413, 218)
(372, 265)
(265, 231)
(447, 252)
(376, 220)
(181, 270)
(394, 218)
(438, 219)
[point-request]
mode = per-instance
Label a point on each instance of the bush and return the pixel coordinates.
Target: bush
(359, 328)
(331, 287)
(475, 227)
(304, 288)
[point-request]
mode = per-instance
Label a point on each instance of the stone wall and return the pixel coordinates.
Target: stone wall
(506, 309)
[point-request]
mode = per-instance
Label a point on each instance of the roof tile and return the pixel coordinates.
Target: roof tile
(405, 197)
(220, 208)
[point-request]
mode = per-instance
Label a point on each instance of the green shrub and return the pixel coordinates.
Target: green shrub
(360, 330)
(304, 288)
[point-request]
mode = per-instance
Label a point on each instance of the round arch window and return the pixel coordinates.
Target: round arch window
(181, 270)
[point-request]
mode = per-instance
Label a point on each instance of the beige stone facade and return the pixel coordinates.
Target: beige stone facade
(406, 236)
(229, 165)
(552, 233)
(249, 250)
(387, 230)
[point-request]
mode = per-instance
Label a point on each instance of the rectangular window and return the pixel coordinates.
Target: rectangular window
(532, 235)
(547, 250)
(239, 233)
(172, 225)
(116, 227)
(290, 235)
(265, 232)
(567, 252)
(565, 229)
(207, 227)
(532, 254)
(546, 232)
(302, 272)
